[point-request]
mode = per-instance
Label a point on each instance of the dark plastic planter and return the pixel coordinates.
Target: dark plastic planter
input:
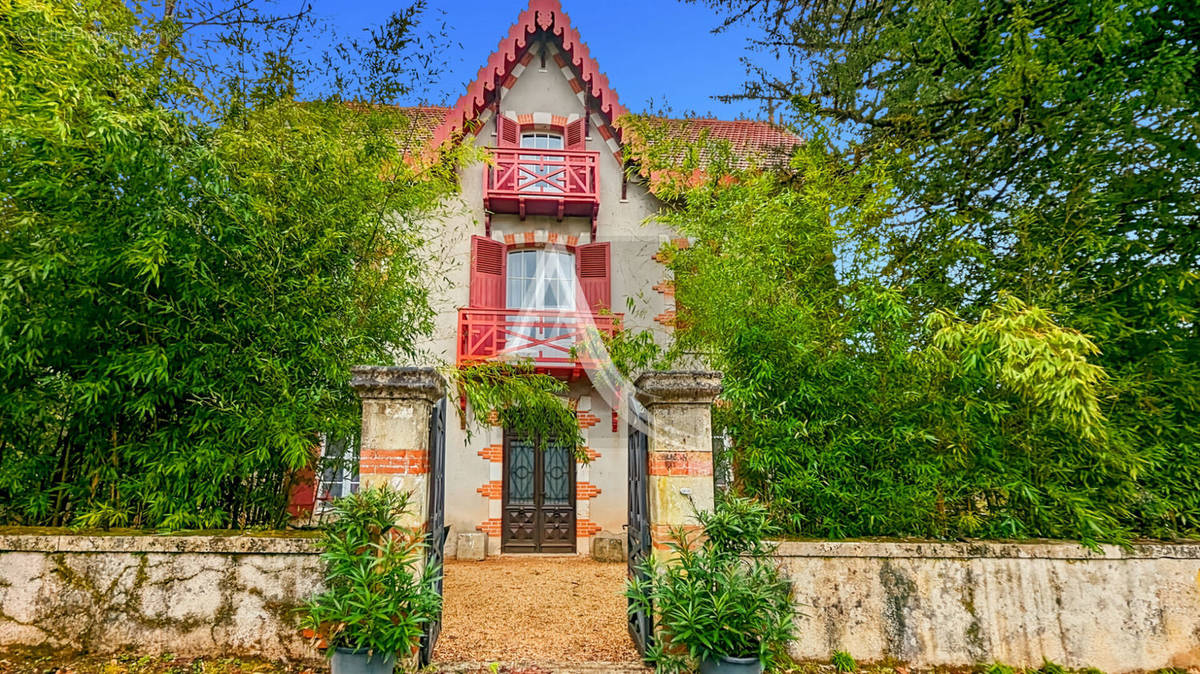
(356, 661)
(727, 665)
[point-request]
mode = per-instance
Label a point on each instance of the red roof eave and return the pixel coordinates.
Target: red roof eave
(544, 15)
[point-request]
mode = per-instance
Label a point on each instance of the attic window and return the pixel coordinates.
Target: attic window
(541, 141)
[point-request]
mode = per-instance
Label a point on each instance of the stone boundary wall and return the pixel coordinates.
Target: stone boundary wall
(191, 595)
(928, 604)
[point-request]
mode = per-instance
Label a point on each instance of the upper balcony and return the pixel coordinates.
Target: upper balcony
(526, 181)
(553, 341)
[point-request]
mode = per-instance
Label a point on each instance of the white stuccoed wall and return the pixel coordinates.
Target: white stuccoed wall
(930, 604)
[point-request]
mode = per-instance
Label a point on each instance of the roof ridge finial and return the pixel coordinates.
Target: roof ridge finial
(545, 12)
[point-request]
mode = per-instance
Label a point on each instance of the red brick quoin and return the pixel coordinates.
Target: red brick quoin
(587, 419)
(586, 490)
(492, 490)
(394, 461)
(492, 453)
(585, 528)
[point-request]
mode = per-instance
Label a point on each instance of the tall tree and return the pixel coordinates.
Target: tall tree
(1045, 148)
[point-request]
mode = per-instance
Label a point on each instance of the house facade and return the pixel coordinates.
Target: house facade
(552, 241)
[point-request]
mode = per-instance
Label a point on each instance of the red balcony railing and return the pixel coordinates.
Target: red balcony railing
(542, 182)
(546, 338)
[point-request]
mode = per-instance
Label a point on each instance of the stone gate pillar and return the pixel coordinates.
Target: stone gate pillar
(680, 475)
(396, 407)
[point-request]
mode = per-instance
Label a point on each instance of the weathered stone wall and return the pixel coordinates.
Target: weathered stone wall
(966, 603)
(189, 595)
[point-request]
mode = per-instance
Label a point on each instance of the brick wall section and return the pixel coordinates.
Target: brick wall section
(492, 453)
(585, 528)
(531, 237)
(666, 287)
(674, 464)
(394, 461)
(491, 527)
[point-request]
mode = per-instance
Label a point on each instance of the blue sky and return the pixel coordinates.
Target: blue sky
(656, 53)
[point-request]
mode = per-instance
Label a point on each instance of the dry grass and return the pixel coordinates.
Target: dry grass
(534, 609)
(45, 660)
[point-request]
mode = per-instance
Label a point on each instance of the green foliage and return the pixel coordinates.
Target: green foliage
(1047, 149)
(853, 411)
(844, 662)
(709, 599)
(379, 594)
(180, 302)
(526, 403)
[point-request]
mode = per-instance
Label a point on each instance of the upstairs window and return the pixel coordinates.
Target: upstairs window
(541, 279)
(505, 277)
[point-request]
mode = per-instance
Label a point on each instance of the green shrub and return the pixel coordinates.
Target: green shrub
(378, 596)
(709, 599)
(844, 662)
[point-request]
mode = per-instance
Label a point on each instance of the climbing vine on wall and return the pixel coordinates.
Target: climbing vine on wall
(525, 402)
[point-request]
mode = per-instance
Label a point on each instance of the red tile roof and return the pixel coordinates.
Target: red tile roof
(424, 119)
(749, 141)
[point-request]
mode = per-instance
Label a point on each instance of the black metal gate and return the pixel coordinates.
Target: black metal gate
(641, 625)
(435, 553)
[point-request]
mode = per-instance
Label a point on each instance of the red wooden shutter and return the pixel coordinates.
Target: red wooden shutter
(303, 497)
(487, 273)
(508, 132)
(592, 263)
(575, 134)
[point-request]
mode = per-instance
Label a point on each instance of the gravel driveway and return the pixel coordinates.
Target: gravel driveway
(534, 609)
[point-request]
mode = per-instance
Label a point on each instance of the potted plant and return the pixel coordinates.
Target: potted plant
(379, 594)
(718, 598)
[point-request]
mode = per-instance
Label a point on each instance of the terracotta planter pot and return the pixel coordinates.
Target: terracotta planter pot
(727, 665)
(357, 661)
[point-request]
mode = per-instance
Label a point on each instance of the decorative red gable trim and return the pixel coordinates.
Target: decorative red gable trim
(545, 15)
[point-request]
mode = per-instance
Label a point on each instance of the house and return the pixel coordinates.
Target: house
(551, 240)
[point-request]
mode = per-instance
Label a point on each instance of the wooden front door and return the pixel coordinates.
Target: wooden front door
(539, 497)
